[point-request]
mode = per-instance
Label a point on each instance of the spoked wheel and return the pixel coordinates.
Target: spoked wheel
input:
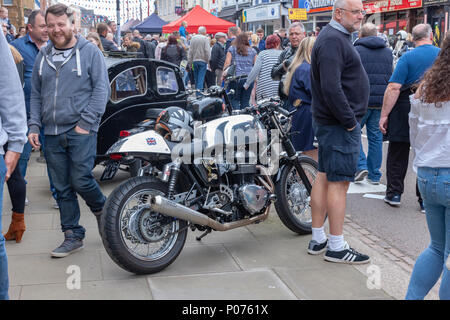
(137, 239)
(293, 198)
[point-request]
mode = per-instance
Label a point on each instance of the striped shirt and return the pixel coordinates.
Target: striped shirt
(266, 87)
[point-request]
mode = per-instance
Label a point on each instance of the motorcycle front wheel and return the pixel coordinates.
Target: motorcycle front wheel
(293, 198)
(137, 239)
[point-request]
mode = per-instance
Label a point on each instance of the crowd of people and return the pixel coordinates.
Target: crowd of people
(335, 85)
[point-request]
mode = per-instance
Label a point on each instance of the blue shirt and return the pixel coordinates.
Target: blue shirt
(28, 49)
(262, 45)
(300, 88)
(413, 64)
(182, 31)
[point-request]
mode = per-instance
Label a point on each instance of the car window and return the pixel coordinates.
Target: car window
(129, 83)
(166, 81)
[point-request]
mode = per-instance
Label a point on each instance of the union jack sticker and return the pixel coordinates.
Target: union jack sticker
(151, 141)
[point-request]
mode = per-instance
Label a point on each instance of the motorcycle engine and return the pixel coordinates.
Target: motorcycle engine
(253, 197)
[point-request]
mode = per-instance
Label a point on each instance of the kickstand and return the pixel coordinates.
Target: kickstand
(204, 234)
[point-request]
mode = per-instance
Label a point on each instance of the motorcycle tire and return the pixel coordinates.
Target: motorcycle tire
(290, 219)
(111, 228)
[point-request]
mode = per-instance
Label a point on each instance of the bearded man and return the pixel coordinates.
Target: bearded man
(70, 89)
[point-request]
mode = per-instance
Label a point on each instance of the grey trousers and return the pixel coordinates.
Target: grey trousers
(218, 73)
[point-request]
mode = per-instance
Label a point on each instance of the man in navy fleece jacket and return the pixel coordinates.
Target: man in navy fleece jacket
(340, 94)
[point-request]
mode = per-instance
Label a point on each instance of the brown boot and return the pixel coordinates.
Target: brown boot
(16, 228)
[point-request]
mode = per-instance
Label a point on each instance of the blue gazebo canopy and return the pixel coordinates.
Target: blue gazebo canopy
(152, 24)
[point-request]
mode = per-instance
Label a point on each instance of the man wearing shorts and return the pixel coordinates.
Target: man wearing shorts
(340, 94)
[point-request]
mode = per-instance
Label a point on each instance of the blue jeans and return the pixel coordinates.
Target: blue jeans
(434, 186)
(375, 153)
(185, 77)
(4, 280)
(241, 97)
(199, 74)
(70, 159)
(25, 157)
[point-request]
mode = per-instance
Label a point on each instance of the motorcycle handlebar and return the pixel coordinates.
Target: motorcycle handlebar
(284, 112)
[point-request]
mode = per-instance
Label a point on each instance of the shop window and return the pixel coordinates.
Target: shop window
(7, 2)
(166, 81)
(128, 84)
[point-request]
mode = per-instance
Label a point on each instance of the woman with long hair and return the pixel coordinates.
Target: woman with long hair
(95, 39)
(297, 87)
(243, 56)
(173, 52)
(429, 121)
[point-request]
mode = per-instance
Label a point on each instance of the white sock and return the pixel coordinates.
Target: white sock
(336, 243)
(318, 234)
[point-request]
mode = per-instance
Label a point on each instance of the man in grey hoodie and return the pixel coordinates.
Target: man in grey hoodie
(70, 89)
(13, 130)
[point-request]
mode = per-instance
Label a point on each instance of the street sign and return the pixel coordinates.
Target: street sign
(297, 14)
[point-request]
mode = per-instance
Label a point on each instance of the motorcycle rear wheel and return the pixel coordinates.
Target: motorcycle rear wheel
(130, 230)
(293, 200)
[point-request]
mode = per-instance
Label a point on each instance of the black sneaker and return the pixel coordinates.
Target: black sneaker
(360, 175)
(70, 245)
(316, 248)
(393, 200)
(348, 255)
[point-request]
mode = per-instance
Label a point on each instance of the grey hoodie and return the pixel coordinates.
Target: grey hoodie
(13, 119)
(74, 94)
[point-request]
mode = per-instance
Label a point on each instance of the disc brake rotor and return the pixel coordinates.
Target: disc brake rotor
(146, 226)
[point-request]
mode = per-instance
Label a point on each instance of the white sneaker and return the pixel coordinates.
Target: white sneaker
(55, 204)
(26, 201)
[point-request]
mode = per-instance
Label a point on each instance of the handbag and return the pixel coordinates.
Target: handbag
(231, 70)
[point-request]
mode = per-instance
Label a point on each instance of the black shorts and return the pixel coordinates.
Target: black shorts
(338, 151)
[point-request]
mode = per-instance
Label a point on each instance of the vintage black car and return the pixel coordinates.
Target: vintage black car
(140, 88)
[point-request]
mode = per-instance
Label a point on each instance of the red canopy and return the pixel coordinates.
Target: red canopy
(196, 18)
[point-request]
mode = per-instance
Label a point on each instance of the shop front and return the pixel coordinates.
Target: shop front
(394, 15)
(319, 13)
(437, 15)
(266, 16)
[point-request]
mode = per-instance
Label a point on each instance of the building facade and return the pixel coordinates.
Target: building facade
(266, 14)
(170, 10)
(436, 13)
(231, 10)
(394, 15)
(18, 11)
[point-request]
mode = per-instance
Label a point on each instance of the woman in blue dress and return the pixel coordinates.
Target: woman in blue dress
(297, 87)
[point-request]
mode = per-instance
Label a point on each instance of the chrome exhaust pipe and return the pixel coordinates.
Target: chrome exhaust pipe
(170, 208)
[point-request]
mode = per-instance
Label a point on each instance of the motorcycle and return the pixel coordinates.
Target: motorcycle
(188, 185)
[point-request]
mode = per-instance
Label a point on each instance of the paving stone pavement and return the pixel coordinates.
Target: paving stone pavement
(264, 261)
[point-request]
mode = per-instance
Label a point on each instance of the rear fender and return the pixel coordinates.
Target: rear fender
(144, 142)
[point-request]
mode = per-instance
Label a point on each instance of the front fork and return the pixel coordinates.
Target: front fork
(292, 155)
(295, 160)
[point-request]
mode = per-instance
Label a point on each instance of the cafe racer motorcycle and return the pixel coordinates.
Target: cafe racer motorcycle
(146, 218)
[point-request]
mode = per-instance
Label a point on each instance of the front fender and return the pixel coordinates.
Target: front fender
(282, 166)
(144, 142)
